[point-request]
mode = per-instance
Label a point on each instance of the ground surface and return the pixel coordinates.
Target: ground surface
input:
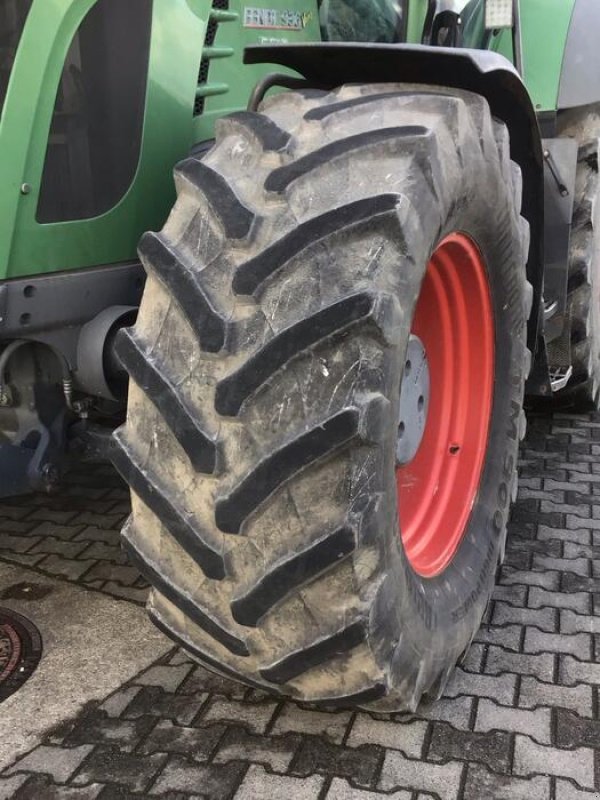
(520, 720)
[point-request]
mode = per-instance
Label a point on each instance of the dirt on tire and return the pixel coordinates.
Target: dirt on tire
(265, 368)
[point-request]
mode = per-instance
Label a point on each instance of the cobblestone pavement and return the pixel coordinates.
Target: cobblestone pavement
(520, 719)
(74, 535)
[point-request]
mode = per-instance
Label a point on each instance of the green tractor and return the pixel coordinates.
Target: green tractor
(383, 239)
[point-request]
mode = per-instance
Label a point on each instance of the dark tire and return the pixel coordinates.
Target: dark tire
(266, 365)
(582, 319)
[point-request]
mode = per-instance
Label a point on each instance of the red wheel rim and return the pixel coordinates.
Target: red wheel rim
(454, 321)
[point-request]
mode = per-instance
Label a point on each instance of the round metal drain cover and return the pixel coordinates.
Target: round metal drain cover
(20, 651)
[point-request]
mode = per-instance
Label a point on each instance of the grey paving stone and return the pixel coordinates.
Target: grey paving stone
(61, 516)
(566, 790)
(66, 532)
(17, 544)
(154, 701)
(126, 592)
(99, 520)
(65, 567)
(201, 680)
(534, 759)
(9, 786)
(10, 512)
(100, 551)
(577, 644)
(566, 486)
(548, 507)
(116, 704)
(536, 723)
(399, 772)
(546, 579)
(406, 736)
(573, 521)
(571, 730)
(513, 594)
(572, 671)
(539, 494)
(340, 789)
(578, 623)
(256, 716)
(107, 764)
(115, 573)
(166, 676)
(580, 566)
(17, 527)
(576, 601)
(578, 551)
(25, 559)
(275, 752)
(99, 728)
(68, 549)
(91, 533)
(299, 720)
(498, 687)
(59, 762)
(196, 743)
(578, 536)
(214, 781)
(481, 784)
(534, 693)
(492, 748)
(361, 764)
(456, 710)
(577, 583)
(39, 787)
(524, 540)
(259, 785)
(543, 618)
(180, 657)
(507, 636)
(473, 660)
(541, 666)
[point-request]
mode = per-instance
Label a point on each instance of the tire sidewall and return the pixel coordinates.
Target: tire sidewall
(432, 620)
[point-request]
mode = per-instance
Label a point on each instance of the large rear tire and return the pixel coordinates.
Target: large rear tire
(266, 368)
(582, 318)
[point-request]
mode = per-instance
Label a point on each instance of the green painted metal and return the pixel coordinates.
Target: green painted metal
(232, 72)
(170, 126)
(545, 26)
(26, 247)
(417, 10)
(544, 30)
(170, 129)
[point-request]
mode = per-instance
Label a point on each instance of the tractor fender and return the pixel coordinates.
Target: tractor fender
(326, 65)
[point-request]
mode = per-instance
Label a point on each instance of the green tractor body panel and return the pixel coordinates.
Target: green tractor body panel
(230, 80)
(544, 26)
(187, 37)
(170, 128)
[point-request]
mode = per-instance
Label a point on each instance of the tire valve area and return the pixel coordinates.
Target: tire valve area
(414, 402)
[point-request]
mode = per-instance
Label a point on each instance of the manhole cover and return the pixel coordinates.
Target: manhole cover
(20, 651)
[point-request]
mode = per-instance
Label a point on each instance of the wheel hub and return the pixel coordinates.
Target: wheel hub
(414, 401)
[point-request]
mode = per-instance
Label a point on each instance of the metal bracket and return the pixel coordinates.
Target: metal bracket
(559, 377)
(560, 168)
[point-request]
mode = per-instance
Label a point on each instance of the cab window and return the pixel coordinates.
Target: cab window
(96, 131)
(13, 14)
